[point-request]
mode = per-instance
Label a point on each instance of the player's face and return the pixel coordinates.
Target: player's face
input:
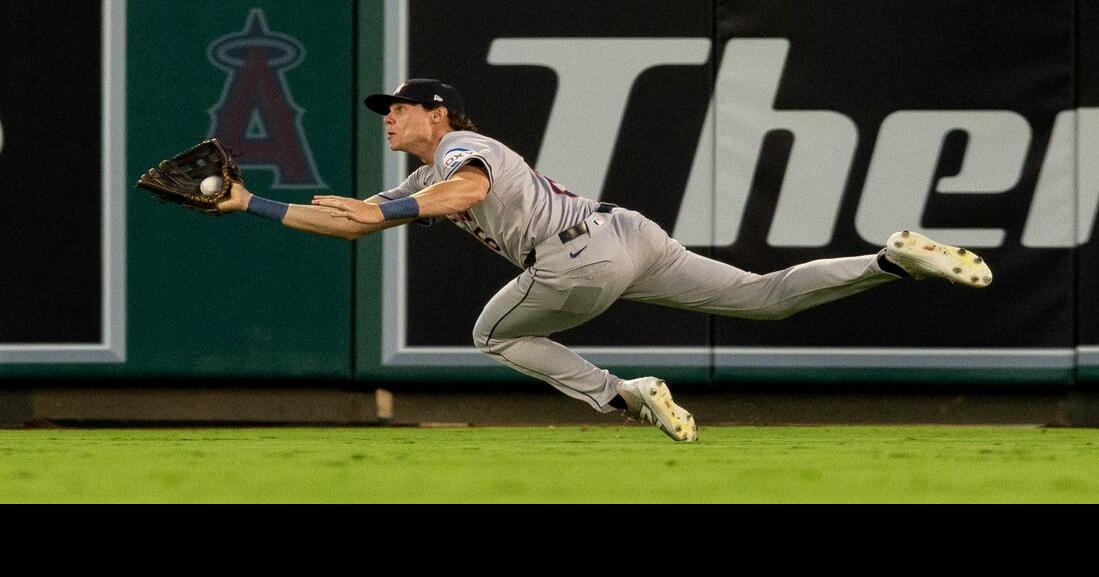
(407, 126)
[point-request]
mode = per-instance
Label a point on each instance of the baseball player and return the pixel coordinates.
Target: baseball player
(579, 256)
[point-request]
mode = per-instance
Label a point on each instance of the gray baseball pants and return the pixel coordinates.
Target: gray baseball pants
(627, 256)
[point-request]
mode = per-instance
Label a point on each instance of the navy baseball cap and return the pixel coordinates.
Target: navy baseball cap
(419, 91)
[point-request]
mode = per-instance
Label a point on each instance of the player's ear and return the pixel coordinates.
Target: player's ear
(440, 115)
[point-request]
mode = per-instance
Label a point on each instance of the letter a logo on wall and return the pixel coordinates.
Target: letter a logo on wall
(256, 116)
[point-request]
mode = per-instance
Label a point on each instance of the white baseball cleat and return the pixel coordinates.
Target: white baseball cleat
(650, 400)
(924, 258)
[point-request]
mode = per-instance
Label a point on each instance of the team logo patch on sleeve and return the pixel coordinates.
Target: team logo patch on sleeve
(455, 156)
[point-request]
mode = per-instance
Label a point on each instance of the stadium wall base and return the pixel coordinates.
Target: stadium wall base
(334, 406)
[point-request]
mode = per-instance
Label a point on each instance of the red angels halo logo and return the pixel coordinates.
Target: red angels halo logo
(256, 116)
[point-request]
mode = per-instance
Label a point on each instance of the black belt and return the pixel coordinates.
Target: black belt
(567, 235)
(582, 228)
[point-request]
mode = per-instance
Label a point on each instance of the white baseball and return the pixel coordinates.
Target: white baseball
(210, 185)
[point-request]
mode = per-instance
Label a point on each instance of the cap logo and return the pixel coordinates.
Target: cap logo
(438, 98)
(400, 88)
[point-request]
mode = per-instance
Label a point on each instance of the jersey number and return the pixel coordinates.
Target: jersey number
(485, 239)
(554, 185)
(465, 220)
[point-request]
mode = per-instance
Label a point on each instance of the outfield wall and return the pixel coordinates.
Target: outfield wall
(761, 133)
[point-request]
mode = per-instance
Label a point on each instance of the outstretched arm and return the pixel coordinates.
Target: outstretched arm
(314, 219)
(466, 189)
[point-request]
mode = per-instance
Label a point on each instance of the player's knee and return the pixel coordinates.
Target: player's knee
(482, 339)
(491, 346)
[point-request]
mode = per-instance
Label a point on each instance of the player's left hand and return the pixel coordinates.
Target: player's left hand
(351, 209)
(238, 200)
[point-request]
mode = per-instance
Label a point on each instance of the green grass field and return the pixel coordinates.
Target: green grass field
(602, 465)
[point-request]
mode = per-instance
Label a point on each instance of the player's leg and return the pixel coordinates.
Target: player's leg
(678, 278)
(514, 329)
(564, 292)
(700, 284)
(515, 325)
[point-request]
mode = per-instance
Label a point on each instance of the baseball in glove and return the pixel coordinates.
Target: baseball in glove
(179, 179)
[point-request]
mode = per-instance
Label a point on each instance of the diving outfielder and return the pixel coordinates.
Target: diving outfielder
(579, 256)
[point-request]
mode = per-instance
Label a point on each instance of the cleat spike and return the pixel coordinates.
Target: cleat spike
(652, 401)
(924, 258)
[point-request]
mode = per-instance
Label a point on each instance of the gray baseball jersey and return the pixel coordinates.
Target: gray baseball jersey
(523, 208)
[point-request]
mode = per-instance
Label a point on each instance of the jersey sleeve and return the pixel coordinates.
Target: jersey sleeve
(469, 147)
(411, 185)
